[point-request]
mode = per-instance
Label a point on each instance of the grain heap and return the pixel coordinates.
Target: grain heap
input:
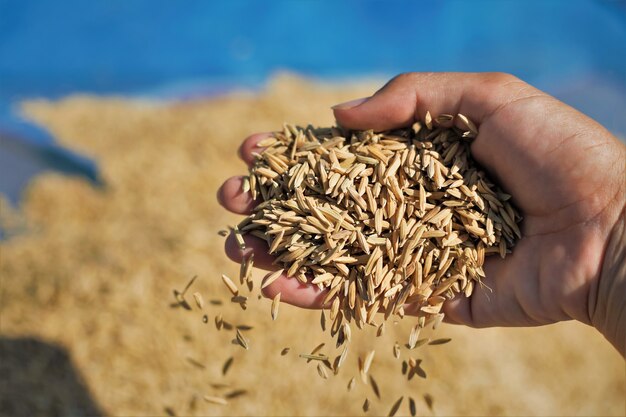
(91, 270)
(381, 221)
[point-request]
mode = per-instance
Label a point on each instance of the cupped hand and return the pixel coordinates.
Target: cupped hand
(565, 173)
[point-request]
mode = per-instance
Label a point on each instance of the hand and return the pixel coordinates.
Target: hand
(565, 173)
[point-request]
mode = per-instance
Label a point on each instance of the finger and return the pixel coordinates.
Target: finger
(407, 97)
(232, 198)
(295, 293)
(250, 146)
(254, 245)
(457, 311)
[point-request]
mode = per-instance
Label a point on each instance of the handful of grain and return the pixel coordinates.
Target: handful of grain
(379, 220)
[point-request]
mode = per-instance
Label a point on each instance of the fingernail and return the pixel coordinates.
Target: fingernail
(350, 104)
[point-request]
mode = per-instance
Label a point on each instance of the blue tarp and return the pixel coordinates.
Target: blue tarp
(574, 49)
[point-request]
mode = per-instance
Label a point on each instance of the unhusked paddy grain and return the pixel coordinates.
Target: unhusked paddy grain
(374, 386)
(215, 400)
(441, 341)
(230, 285)
(412, 407)
(199, 300)
(429, 401)
(241, 340)
(395, 407)
(275, 305)
(227, 365)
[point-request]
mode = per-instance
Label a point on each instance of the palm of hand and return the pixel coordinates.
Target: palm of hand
(565, 173)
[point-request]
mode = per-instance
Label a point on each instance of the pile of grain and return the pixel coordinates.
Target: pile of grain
(378, 221)
(92, 270)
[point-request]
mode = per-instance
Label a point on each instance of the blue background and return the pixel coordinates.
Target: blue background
(574, 49)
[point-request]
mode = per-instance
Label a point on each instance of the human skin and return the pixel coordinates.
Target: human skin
(566, 174)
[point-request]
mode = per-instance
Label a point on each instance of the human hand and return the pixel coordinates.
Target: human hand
(565, 173)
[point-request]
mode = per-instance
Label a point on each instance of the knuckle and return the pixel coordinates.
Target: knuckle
(406, 78)
(502, 80)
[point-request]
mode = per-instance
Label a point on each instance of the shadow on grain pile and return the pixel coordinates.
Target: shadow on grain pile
(40, 379)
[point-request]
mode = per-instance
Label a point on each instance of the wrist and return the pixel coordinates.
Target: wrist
(607, 303)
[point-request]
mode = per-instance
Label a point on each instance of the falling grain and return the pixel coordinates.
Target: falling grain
(380, 330)
(309, 357)
(368, 361)
(342, 357)
(442, 341)
(230, 285)
(199, 301)
(227, 365)
(429, 401)
(275, 304)
(412, 407)
(219, 322)
(215, 400)
(415, 331)
(374, 387)
(236, 394)
(321, 370)
(241, 340)
(395, 407)
(317, 348)
(351, 383)
(189, 284)
(195, 363)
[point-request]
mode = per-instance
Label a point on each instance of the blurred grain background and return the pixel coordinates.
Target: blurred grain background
(87, 280)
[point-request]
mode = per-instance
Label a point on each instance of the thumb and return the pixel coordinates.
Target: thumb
(406, 98)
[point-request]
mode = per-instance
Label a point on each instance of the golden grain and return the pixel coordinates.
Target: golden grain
(412, 407)
(271, 278)
(441, 341)
(374, 387)
(215, 400)
(321, 370)
(241, 340)
(395, 407)
(227, 365)
(351, 383)
(396, 350)
(275, 304)
(230, 285)
(429, 401)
